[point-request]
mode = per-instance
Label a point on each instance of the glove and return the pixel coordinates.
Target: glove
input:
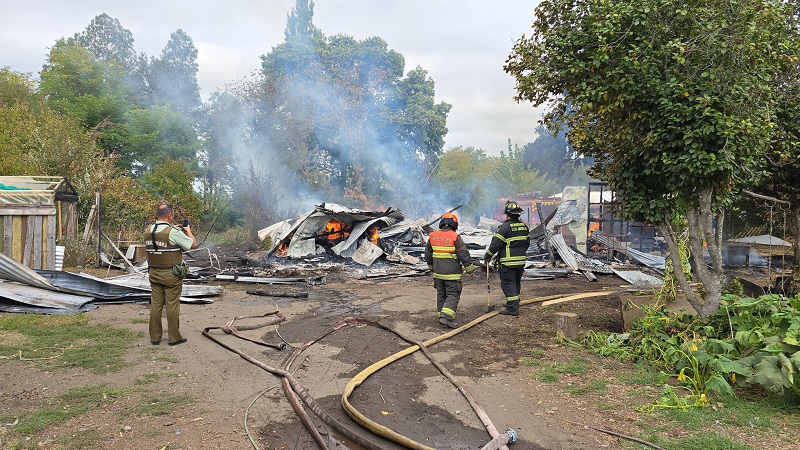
(469, 269)
(496, 264)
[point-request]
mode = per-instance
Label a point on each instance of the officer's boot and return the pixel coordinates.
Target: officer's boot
(511, 308)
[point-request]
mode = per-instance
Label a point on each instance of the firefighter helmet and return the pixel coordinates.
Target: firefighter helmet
(512, 208)
(449, 220)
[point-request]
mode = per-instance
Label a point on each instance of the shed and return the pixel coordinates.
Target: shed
(30, 217)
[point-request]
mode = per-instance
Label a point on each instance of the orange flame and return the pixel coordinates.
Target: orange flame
(375, 232)
(334, 230)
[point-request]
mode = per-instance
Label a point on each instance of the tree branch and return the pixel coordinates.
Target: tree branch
(765, 197)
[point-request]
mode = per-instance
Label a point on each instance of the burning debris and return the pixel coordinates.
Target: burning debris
(335, 230)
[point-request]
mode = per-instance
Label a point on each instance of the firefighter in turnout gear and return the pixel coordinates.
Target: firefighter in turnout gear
(509, 245)
(165, 244)
(446, 254)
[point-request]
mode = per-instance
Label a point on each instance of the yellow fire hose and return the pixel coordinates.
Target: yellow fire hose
(356, 381)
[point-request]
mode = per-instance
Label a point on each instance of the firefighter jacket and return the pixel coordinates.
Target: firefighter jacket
(446, 253)
(510, 243)
(160, 252)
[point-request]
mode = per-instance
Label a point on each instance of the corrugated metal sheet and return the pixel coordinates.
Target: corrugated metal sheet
(654, 261)
(14, 271)
(33, 296)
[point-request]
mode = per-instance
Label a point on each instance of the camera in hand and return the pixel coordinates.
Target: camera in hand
(185, 223)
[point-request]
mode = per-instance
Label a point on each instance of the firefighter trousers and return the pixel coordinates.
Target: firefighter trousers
(448, 294)
(510, 283)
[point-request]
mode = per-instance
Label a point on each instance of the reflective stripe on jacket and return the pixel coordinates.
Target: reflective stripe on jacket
(447, 253)
(510, 243)
(164, 255)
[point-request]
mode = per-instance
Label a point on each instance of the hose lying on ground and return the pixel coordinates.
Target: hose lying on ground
(292, 384)
(356, 381)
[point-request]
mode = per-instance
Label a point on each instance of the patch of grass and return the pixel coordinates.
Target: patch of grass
(606, 406)
(533, 358)
(595, 387)
(160, 405)
(551, 372)
(140, 320)
(642, 375)
(547, 374)
(73, 403)
(147, 378)
(575, 365)
(85, 438)
(705, 440)
(731, 412)
(157, 353)
(51, 342)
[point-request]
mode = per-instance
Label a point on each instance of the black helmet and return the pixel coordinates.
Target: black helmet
(512, 208)
(449, 220)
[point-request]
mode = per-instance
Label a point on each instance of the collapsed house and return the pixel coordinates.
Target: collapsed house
(332, 229)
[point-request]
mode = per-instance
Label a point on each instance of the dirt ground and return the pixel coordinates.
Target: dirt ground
(409, 396)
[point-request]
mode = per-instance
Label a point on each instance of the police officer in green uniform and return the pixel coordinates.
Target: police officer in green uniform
(509, 245)
(165, 245)
(446, 254)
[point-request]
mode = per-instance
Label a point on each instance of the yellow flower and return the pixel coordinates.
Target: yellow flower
(681, 376)
(693, 347)
(733, 378)
(703, 399)
(665, 319)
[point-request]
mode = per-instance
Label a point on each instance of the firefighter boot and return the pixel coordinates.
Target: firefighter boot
(447, 321)
(511, 308)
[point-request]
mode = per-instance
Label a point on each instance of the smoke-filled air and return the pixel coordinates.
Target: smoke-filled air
(324, 119)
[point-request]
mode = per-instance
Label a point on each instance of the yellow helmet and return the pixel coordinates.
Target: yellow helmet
(512, 208)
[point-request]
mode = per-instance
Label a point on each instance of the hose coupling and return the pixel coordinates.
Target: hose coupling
(512, 435)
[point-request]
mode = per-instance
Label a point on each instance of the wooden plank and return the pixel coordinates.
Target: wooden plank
(16, 238)
(578, 297)
(89, 223)
(7, 234)
(36, 210)
(50, 258)
(27, 231)
(38, 242)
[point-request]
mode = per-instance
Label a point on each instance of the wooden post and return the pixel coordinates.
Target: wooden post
(567, 325)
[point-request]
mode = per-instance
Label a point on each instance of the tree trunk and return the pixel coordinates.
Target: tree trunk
(702, 235)
(677, 264)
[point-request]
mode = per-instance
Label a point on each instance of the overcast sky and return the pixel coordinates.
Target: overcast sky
(461, 43)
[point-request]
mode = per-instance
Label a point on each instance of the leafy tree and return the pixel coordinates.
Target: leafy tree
(782, 165)
(173, 76)
(154, 134)
(344, 114)
(35, 140)
(171, 180)
(556, 159)
(648, 88)
(516, 177)
(15, 87)
(108, 40)
(89, 90)
(466, 177)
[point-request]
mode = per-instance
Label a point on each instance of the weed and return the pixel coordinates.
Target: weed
(53, 342)
(161, 405)
(73, 403)
(596, 387)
